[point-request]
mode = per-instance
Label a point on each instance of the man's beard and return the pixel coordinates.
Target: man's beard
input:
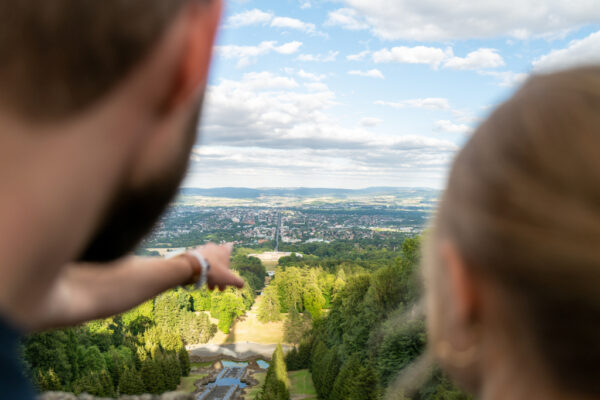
(134, 212)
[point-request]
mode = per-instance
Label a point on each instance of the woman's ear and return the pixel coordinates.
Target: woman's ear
(463, 288)
(203, 20)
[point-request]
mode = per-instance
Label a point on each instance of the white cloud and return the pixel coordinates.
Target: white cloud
(580, 52)
(443, 20)
(267, 80)
(329, 57)
(246, 55)
(430, 103)
(476, 60)
(248, 18)
(507, 78)
(316, 87)
(449, 126)
(289, 48)
(257, 133)
(305, 4)
(370, 122)
(417, 163)
(259, 17)
(260, 128)
(310, 76)
(373, 73)
(359, 56)
(413, 55)
(293, 23)
(347, 18)
(435, 57)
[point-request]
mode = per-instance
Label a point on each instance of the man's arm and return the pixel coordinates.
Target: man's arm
(88, 292)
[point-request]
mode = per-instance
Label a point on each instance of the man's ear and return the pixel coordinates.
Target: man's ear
(463, 285)
(203, 21)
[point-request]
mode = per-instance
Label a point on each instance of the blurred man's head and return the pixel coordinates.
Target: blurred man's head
(141, 63)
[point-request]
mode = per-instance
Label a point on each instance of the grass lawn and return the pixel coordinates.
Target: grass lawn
(255, 390)
(302, 385)
(249, 329)
(187, 383)
(202, 364)
(270, 265)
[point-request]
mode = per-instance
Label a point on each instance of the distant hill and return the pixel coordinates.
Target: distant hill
(247, 193)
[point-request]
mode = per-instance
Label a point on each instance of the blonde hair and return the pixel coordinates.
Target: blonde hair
(523, 208)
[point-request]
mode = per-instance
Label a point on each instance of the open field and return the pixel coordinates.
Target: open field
(303, 197)
(270, 259)
(270, 265)
(187, 382)
(248, 328)
(207, 364)
(301, 385)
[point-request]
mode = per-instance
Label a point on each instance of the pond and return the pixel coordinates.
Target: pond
(263, 364)
(233, 364)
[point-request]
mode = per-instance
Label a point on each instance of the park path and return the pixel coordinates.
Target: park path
(235, 351)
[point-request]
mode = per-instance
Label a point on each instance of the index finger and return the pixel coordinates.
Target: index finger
(234, 280)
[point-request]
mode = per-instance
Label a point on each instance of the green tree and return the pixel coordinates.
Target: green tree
(89, 383)
(92, 360)
(268, 307)
(47, 381)
(295, 327)
(131, 382)
(276, 386)
(226, 307)
(289, 288)
(386, 289)
(152, 376)
(365, 385)
(196, 328)
(342, 389)
(325, 366)
(184, 361)
(169, 306)
(202, 299)
(399, 348)
(108, 388)
(251, 269)
(313, 300)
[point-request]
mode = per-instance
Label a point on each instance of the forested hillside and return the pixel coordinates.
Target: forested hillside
(349, 308)
(141, 351)
(364, 334)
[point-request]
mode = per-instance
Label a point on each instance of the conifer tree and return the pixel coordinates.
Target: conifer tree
(276, 386)
(269, 307)
(47, 381)
(184, 361)
(152, 376)
(131, 382)
(108, 388)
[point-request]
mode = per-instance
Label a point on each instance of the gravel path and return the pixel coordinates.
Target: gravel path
(237, 351)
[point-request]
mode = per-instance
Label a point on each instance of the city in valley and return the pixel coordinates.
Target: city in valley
(252, 217)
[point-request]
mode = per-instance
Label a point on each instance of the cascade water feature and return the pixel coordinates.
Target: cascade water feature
(228, 381)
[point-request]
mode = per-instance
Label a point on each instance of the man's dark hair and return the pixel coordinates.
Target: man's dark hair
(58, 57)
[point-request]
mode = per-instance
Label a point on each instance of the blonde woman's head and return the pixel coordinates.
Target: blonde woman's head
(513, 260)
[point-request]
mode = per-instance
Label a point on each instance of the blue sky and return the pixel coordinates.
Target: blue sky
(358, 93)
